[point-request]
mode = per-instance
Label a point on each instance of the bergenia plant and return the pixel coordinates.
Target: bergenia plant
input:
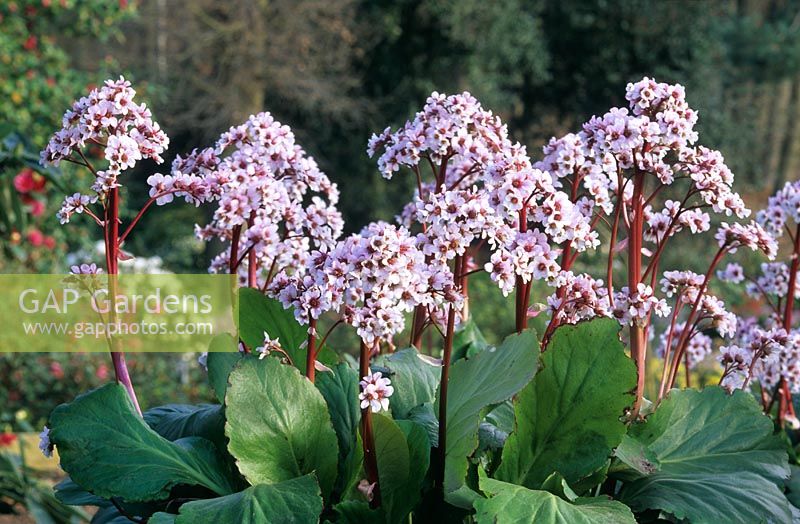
(553, 427)
(109, 118)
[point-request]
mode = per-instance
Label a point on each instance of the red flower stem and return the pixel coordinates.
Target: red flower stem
(519, 293)
(367, 434)
(637, 339)
(686, 366)
(233, 264)
(441, 449)
(668, 349)
(311, 353)
(112, 258)
(787, 318)
(141, 213)
(684, 338)
(252, 269)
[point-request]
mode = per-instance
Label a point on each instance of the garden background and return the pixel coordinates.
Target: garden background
(337, 71)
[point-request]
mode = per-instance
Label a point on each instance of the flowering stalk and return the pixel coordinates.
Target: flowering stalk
(112, 256)
(786, 406)
(684, 338)
(367, 433)
(441, 450)
(521, 289)
(637, 338)
(311, 354)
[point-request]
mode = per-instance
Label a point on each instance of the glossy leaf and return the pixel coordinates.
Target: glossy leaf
(340, 390)
(107, 448)
(569, 418)
(414, 379)
(490, 377)
(509, 503)
(291, 501)
(278, 425)
(718, 460)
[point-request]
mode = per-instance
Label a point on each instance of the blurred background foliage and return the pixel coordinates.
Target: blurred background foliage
(338, 70)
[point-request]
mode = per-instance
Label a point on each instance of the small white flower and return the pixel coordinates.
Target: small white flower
(44, 443)
(375, 392)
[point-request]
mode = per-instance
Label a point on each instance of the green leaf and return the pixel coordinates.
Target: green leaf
(568, 419)
(557, 485)
(414, 379)
(68, 492)
(162, 518)
(425, 417)
(278, 425)
(491, 437)
(419, 454)
(176, 421)
(340, 390)
(291, 501)
(490, 377)
(357, 512)
(107, 448)
(719, 460)
(468, 341)
(259, 314)
(509, 503)
(223, 355)
(793, 486)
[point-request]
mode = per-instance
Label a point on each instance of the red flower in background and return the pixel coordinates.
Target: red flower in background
(30, 43)
(101, 372)
(6, 439)
(29, 181)
(35, 237)
(56, 370)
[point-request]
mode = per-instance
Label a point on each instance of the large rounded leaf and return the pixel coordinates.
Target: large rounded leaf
(278, 425)
(292, 501)
(490, 377)
(107, 449)
(568, 419)
(710, 457)
(512, 504)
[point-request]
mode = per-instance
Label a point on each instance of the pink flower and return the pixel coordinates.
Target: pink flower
(45, 446)
(375, 392)
(367, 489)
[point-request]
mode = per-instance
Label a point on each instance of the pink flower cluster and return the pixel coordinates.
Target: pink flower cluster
(447, 127)
(110, 118)
(655, 136)
(698, 348)
(752, 235)
(782, 206)
(581, 297)
(485, 188)
(74, 204)
(264, 183)
(635, 308)
(763, 354)
(371, 279)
